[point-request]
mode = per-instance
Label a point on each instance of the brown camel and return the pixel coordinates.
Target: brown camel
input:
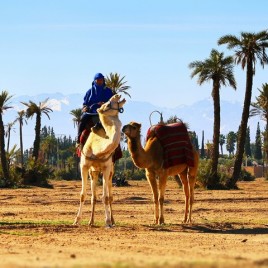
(151, 159)
(96, 158)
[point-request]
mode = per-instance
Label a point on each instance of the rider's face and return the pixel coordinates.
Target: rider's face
(99, 81)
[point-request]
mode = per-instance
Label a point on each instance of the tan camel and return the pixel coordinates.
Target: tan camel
(151, 159)
(96, 158)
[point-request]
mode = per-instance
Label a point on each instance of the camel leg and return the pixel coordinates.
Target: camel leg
(192, 173)
(106, 197)
(162, 189)
(185, 186)
(84, 174)
(94, 178)
(191, 200)
(110, 185)
(152, 181)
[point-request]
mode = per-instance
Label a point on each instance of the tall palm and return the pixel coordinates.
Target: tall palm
(21, 119)
(38, 110)
(249, 47)
(117, 84)
(76, 113)
(219, 69)
(9, 127)
(4, 105)
(222, 142)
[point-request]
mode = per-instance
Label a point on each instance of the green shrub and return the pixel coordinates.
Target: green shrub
(63, 174)
(37, 174)
(246, 176)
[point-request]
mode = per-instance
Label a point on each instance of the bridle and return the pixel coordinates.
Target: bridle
(120, 110)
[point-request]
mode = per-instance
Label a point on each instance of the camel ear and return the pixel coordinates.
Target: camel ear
(99, 111)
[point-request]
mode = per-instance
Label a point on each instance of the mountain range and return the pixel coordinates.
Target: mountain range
(198, 116)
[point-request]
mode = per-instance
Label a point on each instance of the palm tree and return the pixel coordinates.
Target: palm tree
(4, 105)
(260, 107)
(117, 84)
(76, 113)
(222, 141)
(21, 119)
(9, 126)
(219, 69)
(249, 47)
(231, 139)
(34, 109)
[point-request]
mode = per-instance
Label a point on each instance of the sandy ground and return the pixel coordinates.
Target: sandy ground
(230, 228)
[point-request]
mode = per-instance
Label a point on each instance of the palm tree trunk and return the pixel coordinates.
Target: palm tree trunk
(36, 145)
(214, 180)
(21, 145)
(231, 183)
(3, 153)
(8, 139)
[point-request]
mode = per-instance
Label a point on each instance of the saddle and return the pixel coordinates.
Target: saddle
(176, 144)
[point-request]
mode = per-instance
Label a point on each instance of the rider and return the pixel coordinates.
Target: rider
(98, 94)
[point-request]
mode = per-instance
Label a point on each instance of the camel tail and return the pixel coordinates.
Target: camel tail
(193, 170)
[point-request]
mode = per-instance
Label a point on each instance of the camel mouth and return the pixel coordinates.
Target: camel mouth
(124, 129)
(114, 104)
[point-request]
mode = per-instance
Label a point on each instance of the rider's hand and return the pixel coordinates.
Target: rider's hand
(84, 109)
(100, 103)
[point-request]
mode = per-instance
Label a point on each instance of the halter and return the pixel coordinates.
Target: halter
(120, 110)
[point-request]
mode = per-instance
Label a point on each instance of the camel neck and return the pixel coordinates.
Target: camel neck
(138, 153)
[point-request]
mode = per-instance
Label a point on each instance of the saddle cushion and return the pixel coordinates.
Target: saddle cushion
(176, 143)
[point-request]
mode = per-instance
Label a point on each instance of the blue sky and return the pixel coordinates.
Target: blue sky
(58, 46)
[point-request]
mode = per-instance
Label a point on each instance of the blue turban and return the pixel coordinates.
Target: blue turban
(98, 76)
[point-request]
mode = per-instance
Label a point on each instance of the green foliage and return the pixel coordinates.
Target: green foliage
(37, 174)
(225, 170)
(202, 153)
(205, 177)
(247, 143)
(15, 178)
(258, 144)
(120, 180)
(230, 142)
(245, 176)
(63, 174)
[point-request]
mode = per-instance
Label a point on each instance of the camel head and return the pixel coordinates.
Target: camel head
(132, 130)
(113, 106)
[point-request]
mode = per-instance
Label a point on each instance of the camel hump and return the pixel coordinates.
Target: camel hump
(162, 130)
(175, 142)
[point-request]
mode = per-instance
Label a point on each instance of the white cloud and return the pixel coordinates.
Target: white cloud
(65, 101)
(54, 104)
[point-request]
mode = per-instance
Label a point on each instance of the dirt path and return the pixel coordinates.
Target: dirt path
(230, 228)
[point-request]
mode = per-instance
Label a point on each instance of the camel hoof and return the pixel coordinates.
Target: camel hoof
(91, 222)
(77, 221)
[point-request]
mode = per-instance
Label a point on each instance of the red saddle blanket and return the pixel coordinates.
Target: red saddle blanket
(117, 153)
(176, 143)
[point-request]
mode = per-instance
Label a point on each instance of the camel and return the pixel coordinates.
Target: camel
(96, 158)
(151, 159)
